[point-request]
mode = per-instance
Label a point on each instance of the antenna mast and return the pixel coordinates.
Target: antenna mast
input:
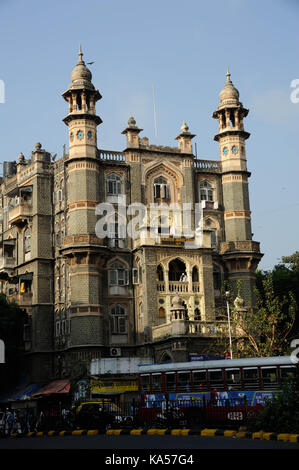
(155, 114)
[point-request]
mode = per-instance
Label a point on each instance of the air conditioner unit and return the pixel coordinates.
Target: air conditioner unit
(115, 352)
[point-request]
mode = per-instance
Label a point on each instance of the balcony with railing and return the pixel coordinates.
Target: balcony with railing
(205, 329)
(20, 212)
(7, 263)
(22, 299)
(178, 287)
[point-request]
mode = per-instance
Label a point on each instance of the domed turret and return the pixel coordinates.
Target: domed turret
(229, 94)
(81, 76)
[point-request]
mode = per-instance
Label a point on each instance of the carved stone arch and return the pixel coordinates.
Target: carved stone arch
(117, 259)
(171, 173)
(166, 356)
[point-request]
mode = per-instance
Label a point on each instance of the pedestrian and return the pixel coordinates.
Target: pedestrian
(9, 422)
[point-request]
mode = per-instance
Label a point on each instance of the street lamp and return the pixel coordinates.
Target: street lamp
(227, 294)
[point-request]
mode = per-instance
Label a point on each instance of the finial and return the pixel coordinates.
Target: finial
(228, 75)
(184, 127)
(131, 121)
(80, 54)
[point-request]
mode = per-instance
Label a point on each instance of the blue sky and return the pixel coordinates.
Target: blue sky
(183, 49)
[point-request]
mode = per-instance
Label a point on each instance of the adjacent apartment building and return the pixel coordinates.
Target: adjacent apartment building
(90, 288)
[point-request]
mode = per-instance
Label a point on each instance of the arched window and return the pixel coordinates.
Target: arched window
(161, 188)
(206, 191)
(195, 275)
(197, 314)
(118, 319)
(160, 273)
(27, 241)
(118, 274)
(161, 312)
(113, 184)
(212, 225)
(177, 269)
(116, 232)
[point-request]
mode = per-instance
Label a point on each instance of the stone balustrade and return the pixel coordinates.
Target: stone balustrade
(247, 245)
(208, 165)
(7, 262)
(109, 155)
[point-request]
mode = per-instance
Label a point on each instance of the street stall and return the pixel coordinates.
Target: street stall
(52, 400)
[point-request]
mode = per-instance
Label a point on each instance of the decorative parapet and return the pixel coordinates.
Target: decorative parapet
(71, 240)
(207, 328)
(210, 166)
(198, 328)
(112, 156)
(241, 246)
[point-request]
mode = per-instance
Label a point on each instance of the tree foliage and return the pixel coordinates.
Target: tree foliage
(262, 331)
(281, 414)
(12, 320)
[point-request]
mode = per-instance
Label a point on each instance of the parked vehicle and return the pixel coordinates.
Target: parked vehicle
(95, 415)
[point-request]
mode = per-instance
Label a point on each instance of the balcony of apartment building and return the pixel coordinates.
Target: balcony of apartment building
(177, 280)
(20, 206)
(21, 292)
(7, 257)
(181, 325)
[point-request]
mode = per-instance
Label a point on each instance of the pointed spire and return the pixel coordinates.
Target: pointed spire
(184, 127)
(80, 54)
(228, 80)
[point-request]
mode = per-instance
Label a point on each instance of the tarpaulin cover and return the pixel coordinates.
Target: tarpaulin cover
(19, 394)
(57, 386)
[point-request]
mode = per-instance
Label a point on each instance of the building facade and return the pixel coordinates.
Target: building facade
(91, 288)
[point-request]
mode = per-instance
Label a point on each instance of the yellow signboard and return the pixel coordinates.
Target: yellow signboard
(99, 386)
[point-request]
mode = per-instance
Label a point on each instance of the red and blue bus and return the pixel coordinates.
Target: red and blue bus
(248, 380)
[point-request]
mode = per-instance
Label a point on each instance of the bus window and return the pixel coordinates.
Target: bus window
(269, 377)
(156, 382)
(170, 385)
(216, 379)
(287, 373)
(145, 382)
(251, 378)
(184, 382)
(200, 380)
(233, 379)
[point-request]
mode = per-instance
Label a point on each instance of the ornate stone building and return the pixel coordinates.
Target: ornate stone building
(155, 295)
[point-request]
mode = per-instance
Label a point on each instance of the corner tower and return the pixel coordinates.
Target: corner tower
(82, 122)
(240, 253)
(81, 249)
